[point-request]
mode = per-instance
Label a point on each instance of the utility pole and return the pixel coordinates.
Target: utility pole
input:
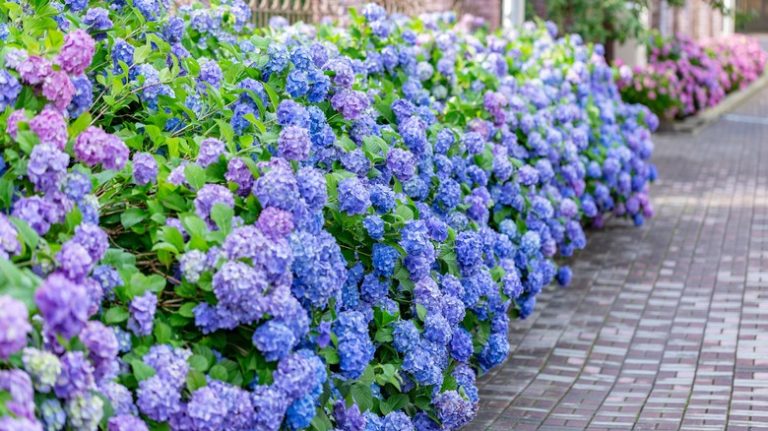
(512, 13)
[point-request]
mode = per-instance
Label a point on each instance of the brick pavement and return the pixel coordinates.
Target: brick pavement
(664, 327)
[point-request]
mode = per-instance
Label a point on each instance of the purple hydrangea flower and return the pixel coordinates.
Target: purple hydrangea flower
(94, 146)
(37, 212)
(144, 168)
(351, 104)
(14, 326)
(101, 343)
(354, 197)
(210, 151)
(9, 89)
(126, 423)
(50, 127)
(97, 19)
(58, 89)
(402, 163)
(294, 143)
(18, 385)
(453, 411)
(275, 223)
(239, 173)
(12, 126)
(274, 340)
(9, 241)
(76, 54)
(210, 195)
(63, 305)
(76, 375)
(74, 261)
(47, 167)
(142, 310)
(34, 70)
(158, 399)
(170, 363)
(83, 97)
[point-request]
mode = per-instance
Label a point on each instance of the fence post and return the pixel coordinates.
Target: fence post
(729, 21)
(512, 13)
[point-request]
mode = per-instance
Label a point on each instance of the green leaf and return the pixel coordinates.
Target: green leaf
(115, 315)
(28, 235)
(155, 283)
(163, 333)
(141, 370)
(273, 99)
(195, 380)
(218, 372)
(321, 422)
(187, 309)
(361, 393)
(82, 122)
(198, 362)
(222, 216)
(195, 226)
(195, 175)
(132, 216)
(421, 312)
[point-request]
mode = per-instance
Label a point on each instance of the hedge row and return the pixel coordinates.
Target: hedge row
(214, 227)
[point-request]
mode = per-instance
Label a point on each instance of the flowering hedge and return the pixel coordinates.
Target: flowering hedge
(683, 76)
(214, 227)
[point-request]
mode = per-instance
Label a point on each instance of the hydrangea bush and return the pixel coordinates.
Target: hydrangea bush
(683, 76)
(208, 226)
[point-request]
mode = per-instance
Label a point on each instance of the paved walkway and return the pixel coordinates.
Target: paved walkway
(664, 327)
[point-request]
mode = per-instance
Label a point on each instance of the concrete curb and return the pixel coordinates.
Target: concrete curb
(696, 123)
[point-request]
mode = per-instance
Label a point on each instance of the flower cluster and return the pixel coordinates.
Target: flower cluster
(220, 227)
(683, 77)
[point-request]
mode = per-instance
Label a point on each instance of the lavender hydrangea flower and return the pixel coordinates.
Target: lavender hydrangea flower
(76, 375)
(210, 151)
(63, 305)
(144, 168)
(83, 96)
(58, 89)
(126, 423)
(454, 411)
(157, 399)
(354, 197)
(14, 326)
(76, 54)
(294, 143)
(402, 163)
(94, 146)
(274, 340)
(50, 127)
(38, 213)
(101, 344)
(275, 223)
(9, 89)
(351, 104)
(239, 173)
(34, 70)
(97, 20)
(9, 241)
(142, 310)
(18, 385)
(47, 167)
(74, 261)
(210, 195)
